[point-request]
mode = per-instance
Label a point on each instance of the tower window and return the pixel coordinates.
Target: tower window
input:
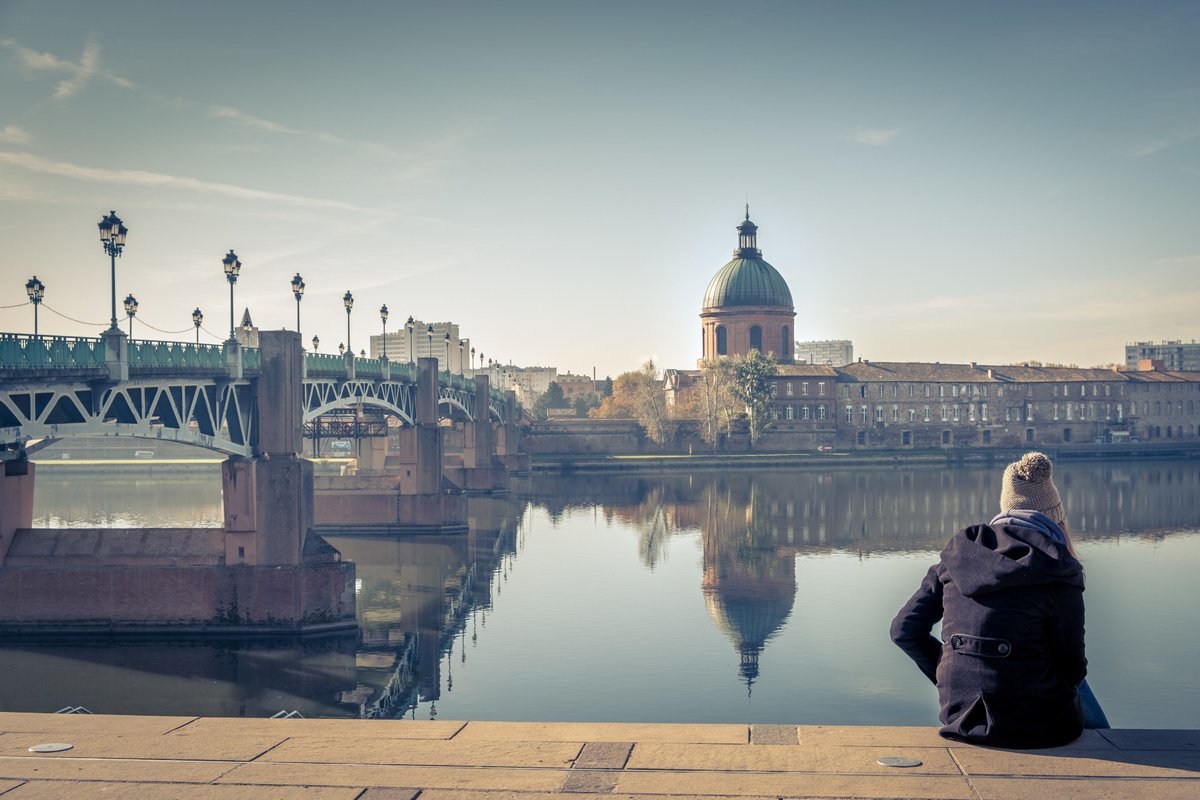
(785, 342)
(722, 341)
(756, 338)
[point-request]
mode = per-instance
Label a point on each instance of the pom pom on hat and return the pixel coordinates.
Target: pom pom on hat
(1028, 484)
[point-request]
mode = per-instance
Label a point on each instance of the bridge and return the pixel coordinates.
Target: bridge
(251, 404)
(206, 395)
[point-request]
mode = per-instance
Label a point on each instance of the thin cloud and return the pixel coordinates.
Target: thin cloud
(145, 178)
(267, 126)
(1172, 140)
(78, 74)
(12, 134)
(874, 137)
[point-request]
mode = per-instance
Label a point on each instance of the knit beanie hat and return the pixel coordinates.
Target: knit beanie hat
(1027, 484)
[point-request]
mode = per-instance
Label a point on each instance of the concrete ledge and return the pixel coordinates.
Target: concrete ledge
(148, 758)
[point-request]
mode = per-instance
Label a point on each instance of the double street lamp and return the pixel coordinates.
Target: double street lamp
(298, 292)
(112, 236)
(131, 306)
(197, 320)
(383, 315)
(348, 302)
(232, 268)
(36, 290)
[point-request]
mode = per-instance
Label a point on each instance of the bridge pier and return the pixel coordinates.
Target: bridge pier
(16, 501)
(409, 495)
(264, 573)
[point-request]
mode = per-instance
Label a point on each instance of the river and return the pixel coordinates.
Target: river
(747, 596)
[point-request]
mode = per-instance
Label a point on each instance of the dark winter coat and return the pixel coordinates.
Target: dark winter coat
(1011, 603)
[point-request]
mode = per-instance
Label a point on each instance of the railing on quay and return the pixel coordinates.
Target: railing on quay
(19, 351)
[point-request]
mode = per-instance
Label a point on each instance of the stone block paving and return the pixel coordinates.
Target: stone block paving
(190, 758)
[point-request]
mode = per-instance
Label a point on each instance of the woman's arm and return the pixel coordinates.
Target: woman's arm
(912, 625)
(1067, 642)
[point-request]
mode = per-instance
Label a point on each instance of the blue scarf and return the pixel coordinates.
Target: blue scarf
(1032, 520)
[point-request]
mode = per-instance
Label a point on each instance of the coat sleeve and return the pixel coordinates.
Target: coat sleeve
(1067, 640)
(911, 629)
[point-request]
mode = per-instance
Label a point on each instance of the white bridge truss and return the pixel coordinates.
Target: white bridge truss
(215, 414)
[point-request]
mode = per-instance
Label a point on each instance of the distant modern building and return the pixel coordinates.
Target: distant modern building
(1178, 355)
(834, 352)
(439, 340)
(748, 305)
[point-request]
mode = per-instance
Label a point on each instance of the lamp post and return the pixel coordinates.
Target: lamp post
(316, 343)
(446, 340)
(409, 325)
(341, 349)
(197, 320)
(383, 315)
(232, 268)
(131, 305)
(472, 359)
(348, 302)
(298, 292)
(36, 290)
(461, 343)
(112, 236)
(429, 334)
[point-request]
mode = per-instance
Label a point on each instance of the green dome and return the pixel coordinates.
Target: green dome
(747, 282)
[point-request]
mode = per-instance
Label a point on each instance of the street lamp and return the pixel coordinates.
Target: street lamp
(232, 268)
(36, 290)
(112, 236)
(446, 340)
(131, 305)
(341, 349)
(298, 292)
(409, 326)
(429, 333)
(316, 343)
(472, 359)
(348, 302)
(460, 356)
(383, 315)
(197, 320)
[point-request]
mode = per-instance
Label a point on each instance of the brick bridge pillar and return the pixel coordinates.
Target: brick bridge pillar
(16, 501)
(269, 498)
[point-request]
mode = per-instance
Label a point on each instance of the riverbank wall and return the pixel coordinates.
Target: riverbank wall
(939, 457)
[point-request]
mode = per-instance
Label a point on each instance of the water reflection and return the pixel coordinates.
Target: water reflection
(605, 619)
(753, 525)
(414, 596)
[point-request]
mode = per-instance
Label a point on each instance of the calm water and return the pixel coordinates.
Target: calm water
(749, 596)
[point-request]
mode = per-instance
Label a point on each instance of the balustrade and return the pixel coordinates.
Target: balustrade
(50, 352)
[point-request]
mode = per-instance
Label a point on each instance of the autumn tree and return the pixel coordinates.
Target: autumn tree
(753, 385)
(639, 395)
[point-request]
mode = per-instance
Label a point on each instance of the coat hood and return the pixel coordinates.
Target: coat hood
(989, 558)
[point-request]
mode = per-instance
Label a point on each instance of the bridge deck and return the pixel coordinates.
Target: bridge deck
(220, 759)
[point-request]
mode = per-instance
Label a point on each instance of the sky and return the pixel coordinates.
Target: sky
(937, 181)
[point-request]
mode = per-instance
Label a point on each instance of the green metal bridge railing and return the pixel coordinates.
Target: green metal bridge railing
(19, 351)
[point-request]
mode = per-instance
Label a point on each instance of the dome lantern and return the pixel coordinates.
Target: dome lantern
(747, 238)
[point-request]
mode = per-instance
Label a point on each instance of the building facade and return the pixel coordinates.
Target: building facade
(835, 352)
(1177, 355)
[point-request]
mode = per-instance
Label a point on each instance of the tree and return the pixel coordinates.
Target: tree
(753, 385)
(710, 399)
(639, 395)
(551, 398)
